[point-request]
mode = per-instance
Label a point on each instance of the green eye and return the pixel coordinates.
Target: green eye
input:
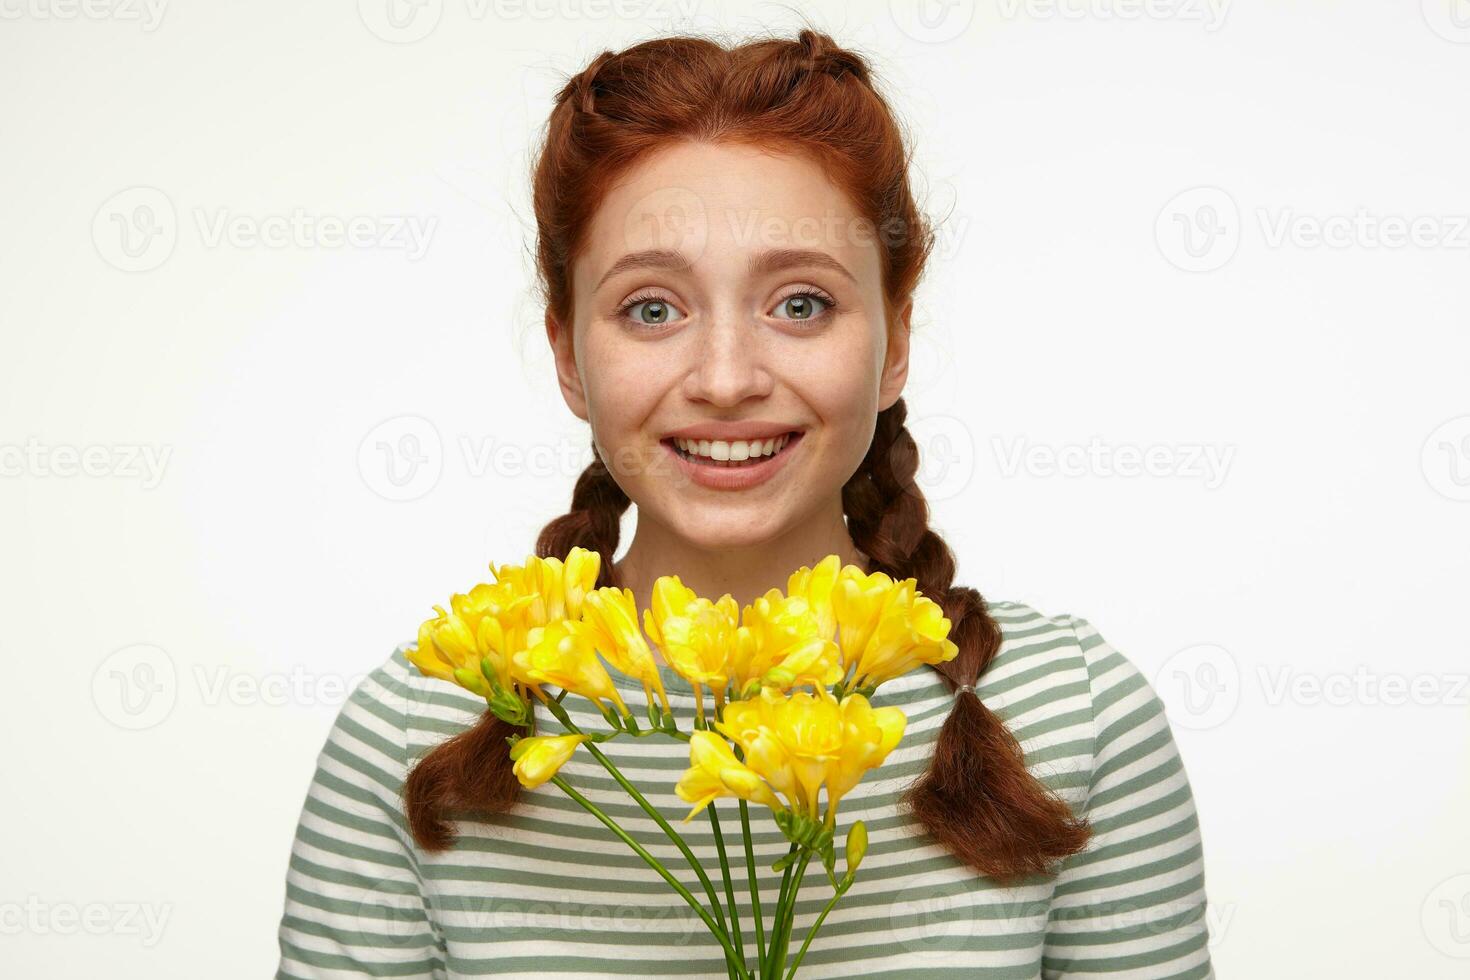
(800, 306)
(654, 311)
(650, 311)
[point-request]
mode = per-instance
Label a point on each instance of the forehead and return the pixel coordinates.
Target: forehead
(715, 202)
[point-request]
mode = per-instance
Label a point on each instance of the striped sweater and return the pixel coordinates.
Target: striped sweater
(547, 891)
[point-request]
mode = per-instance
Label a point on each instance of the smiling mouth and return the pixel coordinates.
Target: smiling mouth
(733, 454)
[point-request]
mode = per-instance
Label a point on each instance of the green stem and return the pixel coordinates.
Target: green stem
(653, 863)
(755, 889)
(812, 932)
(770, 968)
(714, 822)
(652, 811)
(788, 916)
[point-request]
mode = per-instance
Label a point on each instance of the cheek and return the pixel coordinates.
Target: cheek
(839, 385)
(623, 382)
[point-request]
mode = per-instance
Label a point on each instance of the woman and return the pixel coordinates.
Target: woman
(729, 248)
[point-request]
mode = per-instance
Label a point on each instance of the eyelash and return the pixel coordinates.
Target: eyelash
(828, 303)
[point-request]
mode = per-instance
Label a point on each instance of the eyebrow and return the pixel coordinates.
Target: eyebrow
(762, 262)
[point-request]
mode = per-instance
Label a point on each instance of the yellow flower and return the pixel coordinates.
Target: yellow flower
(789, 739)
(714, 771)
(868, 735)
(810, 728)
(502, 620)
(446, 642)
(562, 653)
(886, 628)
(538, 757)
(494, 620)
(751, 724)
(558, 587)
(815, 586)
(611, 615)
(780, 642)
(693, 634)
(800, 741)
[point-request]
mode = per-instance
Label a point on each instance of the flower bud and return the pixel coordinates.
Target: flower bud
(857, 846)
(471, 681)
(538, 757)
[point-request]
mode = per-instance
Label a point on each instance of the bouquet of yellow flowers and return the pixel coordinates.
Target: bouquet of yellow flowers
(789, 724)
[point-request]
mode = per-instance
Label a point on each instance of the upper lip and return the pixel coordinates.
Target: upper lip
(733, 431)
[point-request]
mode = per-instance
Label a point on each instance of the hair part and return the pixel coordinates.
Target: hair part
(807, 95)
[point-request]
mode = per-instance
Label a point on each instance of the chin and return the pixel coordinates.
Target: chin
(728, 527)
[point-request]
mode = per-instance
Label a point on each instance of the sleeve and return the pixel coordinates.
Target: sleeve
(1133, 903)
(354, 903)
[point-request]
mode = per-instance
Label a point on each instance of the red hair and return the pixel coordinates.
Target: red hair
(806, 95)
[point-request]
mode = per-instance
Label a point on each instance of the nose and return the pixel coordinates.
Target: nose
(730, 365)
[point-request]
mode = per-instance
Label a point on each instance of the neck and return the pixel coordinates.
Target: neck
(746, 571)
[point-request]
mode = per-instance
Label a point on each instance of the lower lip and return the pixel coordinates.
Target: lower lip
(740, 477)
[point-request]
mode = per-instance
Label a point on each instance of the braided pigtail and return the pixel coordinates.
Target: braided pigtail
(472, 769)
(977, 797)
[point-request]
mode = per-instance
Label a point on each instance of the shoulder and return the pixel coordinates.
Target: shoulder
(1041, 664)
(1057, 671)
(1133, 745)
(428, 710)
(1036, 643)
(391, 705)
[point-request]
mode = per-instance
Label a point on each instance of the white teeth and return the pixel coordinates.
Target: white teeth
(735, 451)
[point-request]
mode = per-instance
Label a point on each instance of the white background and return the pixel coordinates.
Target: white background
(178, 634)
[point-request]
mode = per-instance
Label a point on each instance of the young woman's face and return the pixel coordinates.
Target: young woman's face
(729, 295)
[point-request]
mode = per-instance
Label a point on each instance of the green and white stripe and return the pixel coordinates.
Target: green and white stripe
(546, 891)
